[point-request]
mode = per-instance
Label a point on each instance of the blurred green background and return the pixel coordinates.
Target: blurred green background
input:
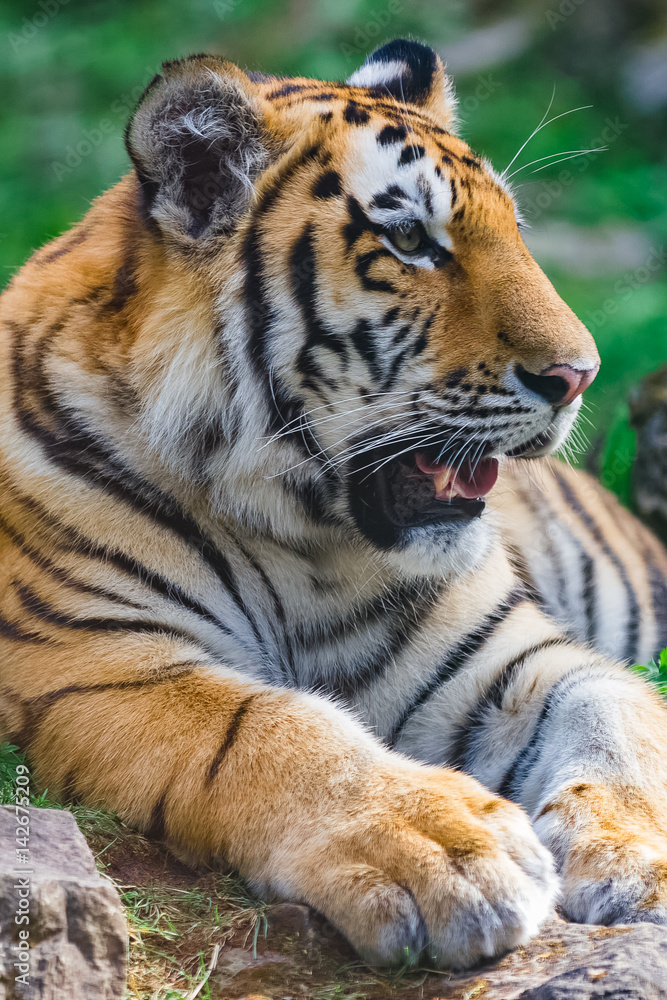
(71, 70)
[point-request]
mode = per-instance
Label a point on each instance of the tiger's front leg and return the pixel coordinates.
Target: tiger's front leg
(582, 745)
(289, 789)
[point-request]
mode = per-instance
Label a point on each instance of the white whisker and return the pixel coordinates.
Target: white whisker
(571, 156)
(543, 124)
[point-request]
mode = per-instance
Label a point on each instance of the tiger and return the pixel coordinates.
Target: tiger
(290, 580)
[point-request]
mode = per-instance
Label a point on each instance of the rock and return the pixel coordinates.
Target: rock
(575, 962)
(564, 962)
(69, 915)
(648, 413)
(627, 967)
(233, 961)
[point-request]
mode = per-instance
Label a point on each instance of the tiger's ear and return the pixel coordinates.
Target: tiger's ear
(410, 72)
(197, 143)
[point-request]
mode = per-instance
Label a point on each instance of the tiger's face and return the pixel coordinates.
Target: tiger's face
(406, 338)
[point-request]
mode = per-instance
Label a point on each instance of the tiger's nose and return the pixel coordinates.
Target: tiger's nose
(558, 384)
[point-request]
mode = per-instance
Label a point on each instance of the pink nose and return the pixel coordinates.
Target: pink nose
(575, 381)
(558, 384)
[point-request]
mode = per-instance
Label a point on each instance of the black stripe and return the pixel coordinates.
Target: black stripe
(363, 264)
(36, 707)
(522, 570)
(401, 334)
(396, 600)
(376, 101)
(410, 155)
(286, 90)
(476, 719)
(392, 197)
(80, 453)
(529, 754)
(589, 593)
(125, 283)
(363, 339)
(302, 275)
(457, 657)
(358, 223)
(229, 737)
(421, 342)
(77, 236)
(77, 542)
(173, 672)
(634, 610)
(14, 632)
(543, 514)
(391, 134)
(37, 607)
(394, 369)
(283, 407)
(328, 185)
(354, 114)
(402, 610)
(60, 574)
(658, 585)
(278, 606)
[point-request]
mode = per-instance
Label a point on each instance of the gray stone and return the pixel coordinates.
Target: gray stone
(624, 967)
(233, 961)
(563, 962)
(574, 962)
(77, 931)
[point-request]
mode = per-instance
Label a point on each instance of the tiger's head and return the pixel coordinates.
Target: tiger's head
(378, 333)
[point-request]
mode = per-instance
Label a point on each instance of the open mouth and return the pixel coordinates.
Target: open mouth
(406, 486)
(417, 489)
(463, 482)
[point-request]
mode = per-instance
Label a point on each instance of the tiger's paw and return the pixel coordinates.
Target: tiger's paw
(612, 853)
(440, 866)
(616, 879)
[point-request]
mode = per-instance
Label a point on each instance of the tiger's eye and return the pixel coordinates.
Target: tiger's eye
(407, 240)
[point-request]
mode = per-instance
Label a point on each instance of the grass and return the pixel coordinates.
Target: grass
(176, 934)
(178, 919)
(655, 672)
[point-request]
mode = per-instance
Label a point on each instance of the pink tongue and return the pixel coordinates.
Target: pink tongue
(466, 482)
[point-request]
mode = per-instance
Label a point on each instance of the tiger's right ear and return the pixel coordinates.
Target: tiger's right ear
(197, 143)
